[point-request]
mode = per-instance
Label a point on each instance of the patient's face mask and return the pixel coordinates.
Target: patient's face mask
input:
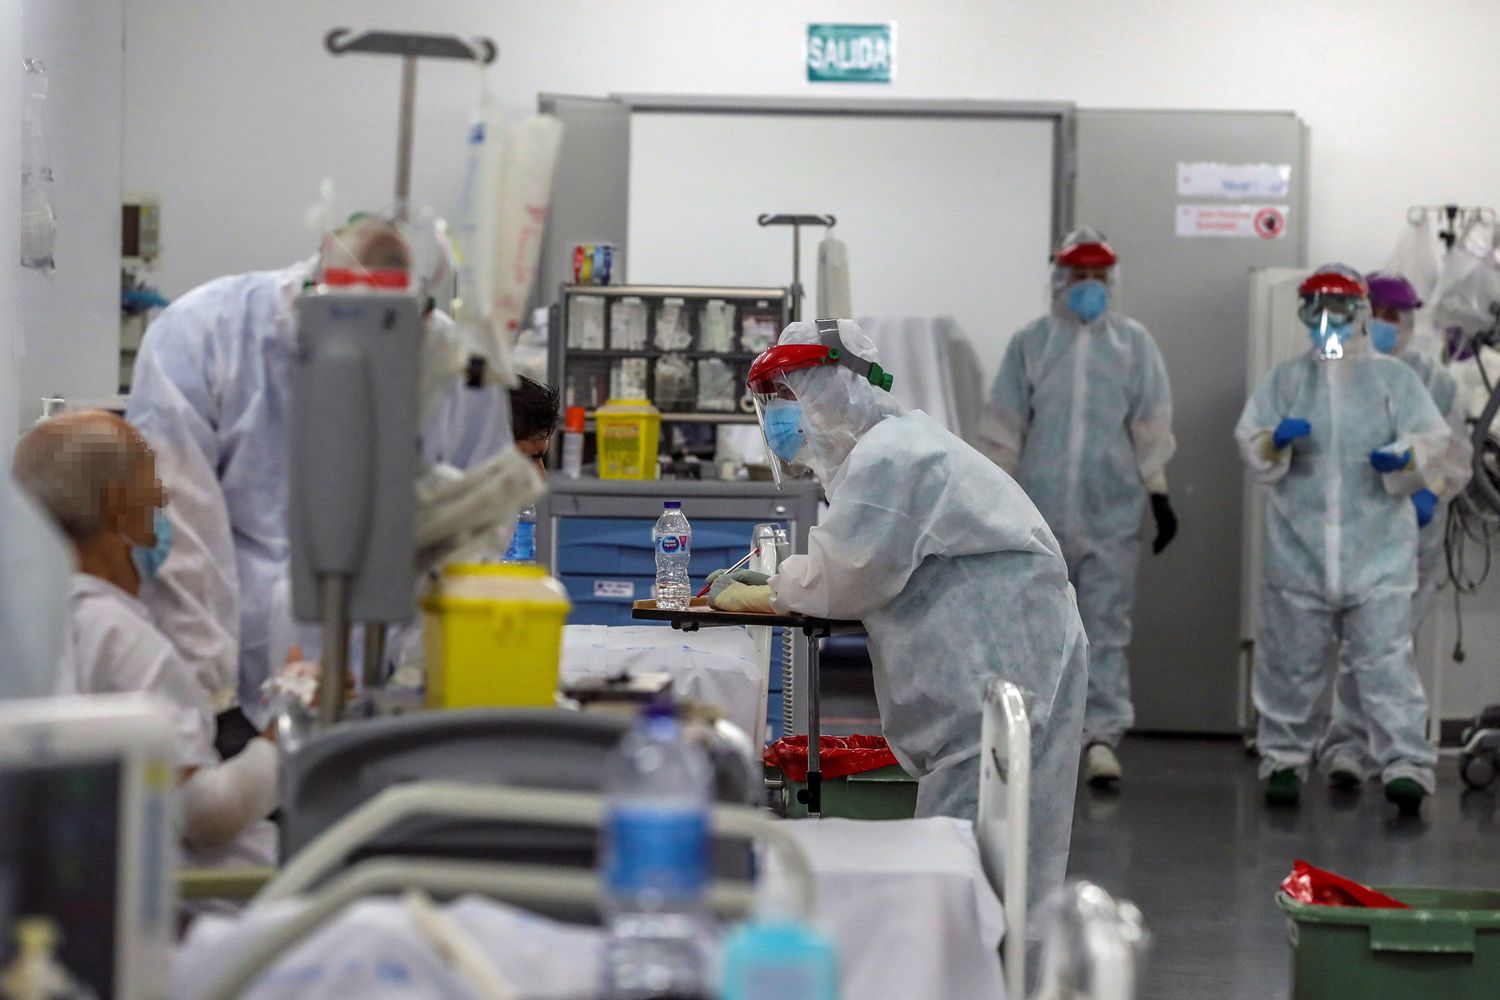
(148, 559)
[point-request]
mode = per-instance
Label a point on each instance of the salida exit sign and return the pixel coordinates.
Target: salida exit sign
(851, 53)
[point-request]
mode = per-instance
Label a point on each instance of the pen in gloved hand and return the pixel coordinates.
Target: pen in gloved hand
(746, 558)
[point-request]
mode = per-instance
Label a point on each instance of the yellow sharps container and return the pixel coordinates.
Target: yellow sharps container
(493, 637)
(628, 436)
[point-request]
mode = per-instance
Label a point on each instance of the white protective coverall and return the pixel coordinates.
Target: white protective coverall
(1341, 552)
(1081, 415)
(958, 580)
(211, 395)
(1346, 744)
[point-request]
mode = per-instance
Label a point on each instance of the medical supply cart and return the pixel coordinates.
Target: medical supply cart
(595, 536)
(685, 348)
(700, 615)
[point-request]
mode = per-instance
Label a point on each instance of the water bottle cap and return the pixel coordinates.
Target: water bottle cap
(673, 505)
(659, 708)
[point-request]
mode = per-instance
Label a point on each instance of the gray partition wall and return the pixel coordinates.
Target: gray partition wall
(1119, 171)
(1192, 293)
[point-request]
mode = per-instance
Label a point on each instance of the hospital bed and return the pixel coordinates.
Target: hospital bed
(547, 749)
(370, 850)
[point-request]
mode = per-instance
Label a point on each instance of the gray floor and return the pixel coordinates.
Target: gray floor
(1189, 840)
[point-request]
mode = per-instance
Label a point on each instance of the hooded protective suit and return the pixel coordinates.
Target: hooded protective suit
(211, 394)
(957, 579)
(1341, 544)
(1081, 415)
(1346, 743)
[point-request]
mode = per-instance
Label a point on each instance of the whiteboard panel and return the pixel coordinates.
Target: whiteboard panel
(942, 216)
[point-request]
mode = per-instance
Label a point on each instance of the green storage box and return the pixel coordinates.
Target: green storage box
(889, 793)
(1446, 947)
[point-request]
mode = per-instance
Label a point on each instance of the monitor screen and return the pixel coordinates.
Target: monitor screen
(59, 850)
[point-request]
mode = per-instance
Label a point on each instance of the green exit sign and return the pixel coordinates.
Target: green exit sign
(851, 53)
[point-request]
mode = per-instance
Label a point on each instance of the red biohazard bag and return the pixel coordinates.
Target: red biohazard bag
(1307, 884)
(839, 756)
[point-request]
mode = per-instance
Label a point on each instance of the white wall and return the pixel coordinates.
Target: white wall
(234, 111)
(71, 317)
(919, 203)
(10, 222)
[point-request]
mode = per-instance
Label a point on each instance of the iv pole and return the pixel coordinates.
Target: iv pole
(1454, 215)
(797, 222)
(410, 47)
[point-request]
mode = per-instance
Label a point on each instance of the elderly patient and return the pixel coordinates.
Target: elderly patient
(95, 476)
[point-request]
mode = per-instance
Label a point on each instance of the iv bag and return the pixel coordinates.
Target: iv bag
(1467, 298)
(833, 280)
(1418, 256)
(38, 221)
(522, 199)
(481, 142)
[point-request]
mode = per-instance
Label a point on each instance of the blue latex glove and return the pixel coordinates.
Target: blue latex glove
(1385, 460)
(1426, 503)
(1289, 430)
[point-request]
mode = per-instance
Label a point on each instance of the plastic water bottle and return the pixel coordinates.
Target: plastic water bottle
(674, 550)
(655, 854)
(523, 543)
(572, 452)
(777, 957)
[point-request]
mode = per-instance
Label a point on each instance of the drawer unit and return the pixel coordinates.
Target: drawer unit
(595, 537)
(603, 598)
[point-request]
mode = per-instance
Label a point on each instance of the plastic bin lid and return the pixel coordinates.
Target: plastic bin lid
(515, 570)
(628, 408)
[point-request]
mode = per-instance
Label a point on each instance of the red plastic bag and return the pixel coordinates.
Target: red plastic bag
(1307, 884)
(840, 756)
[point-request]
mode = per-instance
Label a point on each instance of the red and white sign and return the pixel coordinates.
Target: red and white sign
(1266, 222)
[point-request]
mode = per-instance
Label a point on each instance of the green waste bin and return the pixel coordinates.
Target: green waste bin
(886, 793)
(1446, 946)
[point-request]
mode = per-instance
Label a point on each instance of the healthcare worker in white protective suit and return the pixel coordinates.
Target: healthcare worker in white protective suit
(94, 474)
(1336, 433)
(954, 573)
(1345, 754)
(211, 394)
(1081, 415)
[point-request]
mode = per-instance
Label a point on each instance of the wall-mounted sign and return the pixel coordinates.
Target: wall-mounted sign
(1266, 222)
(615, 589)
(1234, 180)
(851, 53)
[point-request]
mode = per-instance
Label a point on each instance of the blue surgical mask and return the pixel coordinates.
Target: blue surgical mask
(1088, 300)
(784, 433)
(1383, 334)
(149, 558)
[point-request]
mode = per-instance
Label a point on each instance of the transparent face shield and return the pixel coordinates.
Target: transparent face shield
(782, 422)
(783, 429)
(1330, 320)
